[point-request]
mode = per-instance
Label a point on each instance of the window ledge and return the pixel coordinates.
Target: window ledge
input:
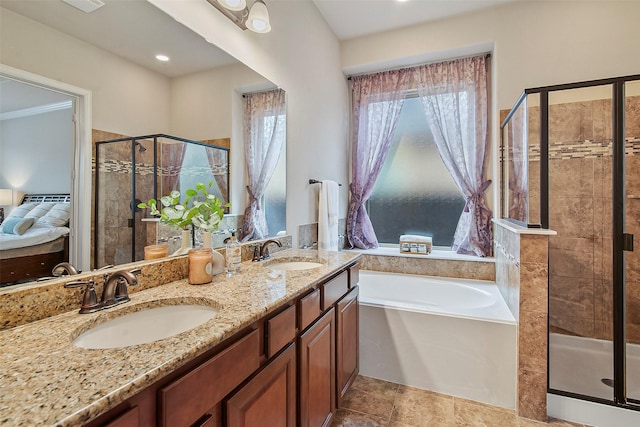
(435, 254)
(514, 228)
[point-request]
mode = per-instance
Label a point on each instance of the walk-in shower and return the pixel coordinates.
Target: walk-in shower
(134, 169)
(570, 163)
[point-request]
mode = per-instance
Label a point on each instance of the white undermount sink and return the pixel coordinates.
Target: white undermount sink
(294, 265)
(145, 326)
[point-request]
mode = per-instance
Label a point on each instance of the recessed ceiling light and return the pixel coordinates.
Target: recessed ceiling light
(163, 58)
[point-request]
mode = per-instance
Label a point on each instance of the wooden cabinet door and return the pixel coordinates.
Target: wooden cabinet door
(190, 397)
(316, 369)
(269, 398)
(347, 343)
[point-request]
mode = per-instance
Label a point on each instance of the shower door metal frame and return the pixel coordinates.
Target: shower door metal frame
(620, 398)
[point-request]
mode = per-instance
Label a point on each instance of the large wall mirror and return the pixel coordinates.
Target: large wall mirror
(199, 95)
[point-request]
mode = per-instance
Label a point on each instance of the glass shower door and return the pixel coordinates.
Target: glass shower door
(142, 189)
(632, 227)
(580, 255)
(113, 176)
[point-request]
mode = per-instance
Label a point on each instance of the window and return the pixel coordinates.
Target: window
(196, 168)
(275, 196)
(414, 193)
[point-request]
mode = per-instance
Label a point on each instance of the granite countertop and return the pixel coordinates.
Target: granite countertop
(46, 380)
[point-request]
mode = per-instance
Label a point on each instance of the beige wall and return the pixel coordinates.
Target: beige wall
(127, 98)
(536, 43)
(209, 105)
(302, 56)
(200, 102)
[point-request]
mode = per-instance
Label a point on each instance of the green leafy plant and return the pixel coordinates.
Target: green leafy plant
(199, 209)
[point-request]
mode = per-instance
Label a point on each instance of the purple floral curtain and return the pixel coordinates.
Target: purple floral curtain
(218, 163)
(171, 158)
(454, 97)
(376, 103)
(264, 134)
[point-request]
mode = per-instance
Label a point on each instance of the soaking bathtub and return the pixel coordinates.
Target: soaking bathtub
(451, 336)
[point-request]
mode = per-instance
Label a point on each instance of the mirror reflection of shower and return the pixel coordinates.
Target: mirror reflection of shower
(125, 176)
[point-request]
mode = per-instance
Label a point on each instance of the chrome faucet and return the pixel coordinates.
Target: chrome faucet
(64, 268)
(264, 249)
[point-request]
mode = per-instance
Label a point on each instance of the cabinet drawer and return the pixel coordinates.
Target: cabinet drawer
(334, 289)
(131, 418)
(187, 399)
(354, 276)
(309, 309)
(281, 330)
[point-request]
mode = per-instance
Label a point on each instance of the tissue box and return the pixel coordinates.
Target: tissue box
(420, 245)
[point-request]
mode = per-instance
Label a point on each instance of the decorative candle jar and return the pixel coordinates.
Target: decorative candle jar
(156, 251)
(200, 266)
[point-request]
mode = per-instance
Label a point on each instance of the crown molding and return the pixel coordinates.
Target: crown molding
(36, 110)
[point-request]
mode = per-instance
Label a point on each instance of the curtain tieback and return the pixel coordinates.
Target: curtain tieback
(477, 195)
(253, 198)
(356, 199)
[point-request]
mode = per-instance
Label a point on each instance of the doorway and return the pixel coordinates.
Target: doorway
(80, 236)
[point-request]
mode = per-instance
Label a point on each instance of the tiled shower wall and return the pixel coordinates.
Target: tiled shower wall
(580, 204)
(114, 190)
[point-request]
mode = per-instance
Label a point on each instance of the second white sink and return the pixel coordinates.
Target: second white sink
(294, 265)
(145, 326)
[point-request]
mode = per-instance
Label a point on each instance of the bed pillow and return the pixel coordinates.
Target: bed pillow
(58, 215)
(40, 210)
(17, 225)
(22, 210)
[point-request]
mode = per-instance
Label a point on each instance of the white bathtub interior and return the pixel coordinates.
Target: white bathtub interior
(459, 340)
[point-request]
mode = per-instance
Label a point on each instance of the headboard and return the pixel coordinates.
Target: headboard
(38, 198)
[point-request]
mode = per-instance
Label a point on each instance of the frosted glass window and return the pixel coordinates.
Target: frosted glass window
(414, 193)
(274, 199)
(195, 169)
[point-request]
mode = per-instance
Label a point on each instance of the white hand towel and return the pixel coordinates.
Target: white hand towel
(328, 216)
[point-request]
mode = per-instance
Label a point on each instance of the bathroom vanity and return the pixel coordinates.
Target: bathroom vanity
(282, 349)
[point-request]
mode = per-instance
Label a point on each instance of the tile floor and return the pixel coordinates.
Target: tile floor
(376, 403)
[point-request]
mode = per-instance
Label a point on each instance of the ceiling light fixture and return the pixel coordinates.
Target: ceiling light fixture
(233, 4)
(254, 17)
(163, 58)
(258, 19)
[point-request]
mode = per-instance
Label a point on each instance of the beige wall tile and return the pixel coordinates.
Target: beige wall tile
(534, 248)
(534, 285)
(567, 263)
(572, 216)
(573, 325)
(532, 394)
(571, 177)
(532, 342)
